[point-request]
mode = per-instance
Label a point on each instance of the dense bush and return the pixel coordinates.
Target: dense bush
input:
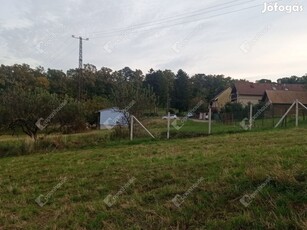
(236, 110)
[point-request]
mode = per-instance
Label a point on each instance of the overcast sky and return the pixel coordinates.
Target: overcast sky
(230, 37)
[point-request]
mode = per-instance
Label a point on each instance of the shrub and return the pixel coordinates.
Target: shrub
(119, 132)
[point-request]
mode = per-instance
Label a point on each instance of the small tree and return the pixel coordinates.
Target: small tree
(24, 108)
(133, 100)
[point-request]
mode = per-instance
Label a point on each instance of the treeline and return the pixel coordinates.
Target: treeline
(287, 80)
(176, 90)
(28, 94)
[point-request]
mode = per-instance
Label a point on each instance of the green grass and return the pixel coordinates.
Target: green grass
(231, 166)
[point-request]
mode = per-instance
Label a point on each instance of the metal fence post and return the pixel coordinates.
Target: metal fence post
(296, 113)
(250, 116)
(168, 124)
(209, 116)
(131, 128)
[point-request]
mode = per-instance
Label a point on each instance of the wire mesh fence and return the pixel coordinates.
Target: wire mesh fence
(255, 118)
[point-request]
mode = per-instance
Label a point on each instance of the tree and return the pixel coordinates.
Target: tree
(71, 118)
(58, 82)
(24, 108)
(208, 86)
(264, 81)
(19, 76)
(158, 83)
(89, 76)
(287, 80)
(181, 93)
(133, 100)
(74, 76)
(170, 81)
(105, 82)
(128, 75)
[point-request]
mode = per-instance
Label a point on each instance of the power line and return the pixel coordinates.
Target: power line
(177, 18)
(164, 20)
(61, 54)
(58, 52)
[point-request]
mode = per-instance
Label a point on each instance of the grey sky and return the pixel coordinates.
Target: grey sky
(230, 37)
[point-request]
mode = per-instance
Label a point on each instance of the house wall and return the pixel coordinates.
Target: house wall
(222, 99)
(245, 100)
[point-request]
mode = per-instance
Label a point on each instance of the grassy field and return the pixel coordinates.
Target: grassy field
(207, 175)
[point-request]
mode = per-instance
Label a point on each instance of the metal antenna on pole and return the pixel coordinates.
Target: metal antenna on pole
(80, 63)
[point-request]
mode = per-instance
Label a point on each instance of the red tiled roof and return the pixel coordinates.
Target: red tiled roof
(258, 89)
(285, 97)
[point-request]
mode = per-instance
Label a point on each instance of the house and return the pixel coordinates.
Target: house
(248, 92)
(221, 99)
(281, 100)
(111, 117)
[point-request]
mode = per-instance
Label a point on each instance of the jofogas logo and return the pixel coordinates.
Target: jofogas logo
(276, 7)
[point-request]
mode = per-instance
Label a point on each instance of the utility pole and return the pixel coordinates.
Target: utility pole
(80, 63)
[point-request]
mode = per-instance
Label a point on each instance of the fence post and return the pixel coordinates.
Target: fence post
(296, 113)
(284, 116)
(131, 128)
(250, 116)
(273, 115)
(168, 124)
(209, 116)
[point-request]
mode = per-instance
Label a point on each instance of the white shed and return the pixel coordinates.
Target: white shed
(108, 118)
